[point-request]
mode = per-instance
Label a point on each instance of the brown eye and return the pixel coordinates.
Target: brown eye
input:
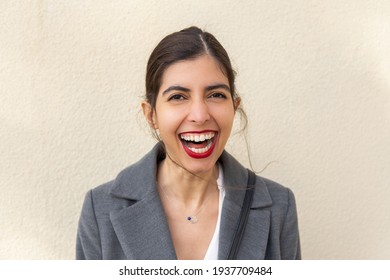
(218, 95)
(176, 97)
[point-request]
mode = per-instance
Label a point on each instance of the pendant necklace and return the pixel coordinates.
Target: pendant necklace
(193, 219)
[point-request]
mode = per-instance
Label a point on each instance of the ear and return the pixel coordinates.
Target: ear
(237, 102)
(149, 114)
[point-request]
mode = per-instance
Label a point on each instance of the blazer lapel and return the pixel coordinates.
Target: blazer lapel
(255, 239)
(142, 228)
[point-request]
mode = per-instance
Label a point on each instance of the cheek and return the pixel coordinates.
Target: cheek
(225, 117)
(167, 122)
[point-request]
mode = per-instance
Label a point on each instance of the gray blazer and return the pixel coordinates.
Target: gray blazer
(124, 218)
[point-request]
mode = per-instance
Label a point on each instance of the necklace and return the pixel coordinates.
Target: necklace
(193, 219)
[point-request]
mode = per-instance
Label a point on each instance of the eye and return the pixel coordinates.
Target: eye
(176, 97)
(218, 95)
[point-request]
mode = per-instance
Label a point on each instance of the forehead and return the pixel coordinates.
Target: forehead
(201, 71)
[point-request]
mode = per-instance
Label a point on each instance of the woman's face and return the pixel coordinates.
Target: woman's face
(194, 113)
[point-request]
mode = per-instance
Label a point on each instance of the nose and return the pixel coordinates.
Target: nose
(199, 112)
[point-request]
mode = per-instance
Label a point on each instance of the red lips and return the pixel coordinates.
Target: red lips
(203, 154)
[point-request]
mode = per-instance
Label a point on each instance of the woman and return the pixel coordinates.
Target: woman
(185, 198)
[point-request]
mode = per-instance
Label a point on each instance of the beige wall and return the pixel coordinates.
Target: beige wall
(315, 81)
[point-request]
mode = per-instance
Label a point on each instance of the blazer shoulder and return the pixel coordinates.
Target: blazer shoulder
(103, 200)
(103, 189)
(280, 194)
(284, 240)
(130, 185)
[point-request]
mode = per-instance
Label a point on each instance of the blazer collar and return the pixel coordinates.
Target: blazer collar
(138, 180)
(254, 242)
(235, 181)
(143, 227)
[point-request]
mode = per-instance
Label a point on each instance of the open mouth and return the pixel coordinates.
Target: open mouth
(198, 144)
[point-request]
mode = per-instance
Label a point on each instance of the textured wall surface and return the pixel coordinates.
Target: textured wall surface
(315, 81)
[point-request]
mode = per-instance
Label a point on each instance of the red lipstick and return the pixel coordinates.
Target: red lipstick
(199, 144)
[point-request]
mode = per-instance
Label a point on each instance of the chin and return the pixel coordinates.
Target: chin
(200, 167)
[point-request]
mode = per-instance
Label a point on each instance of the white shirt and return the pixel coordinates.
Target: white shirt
(212, 251)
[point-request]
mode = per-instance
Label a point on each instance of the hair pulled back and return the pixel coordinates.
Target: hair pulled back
(186, 44)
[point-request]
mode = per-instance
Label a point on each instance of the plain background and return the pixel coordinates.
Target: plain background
(314, 77)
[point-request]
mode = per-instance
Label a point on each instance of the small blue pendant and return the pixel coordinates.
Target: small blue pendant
(192, 219)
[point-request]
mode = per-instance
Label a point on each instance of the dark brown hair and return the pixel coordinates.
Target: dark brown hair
(186, 44)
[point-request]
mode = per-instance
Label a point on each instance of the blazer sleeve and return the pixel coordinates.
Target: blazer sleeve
(88, 245)
(290, 243)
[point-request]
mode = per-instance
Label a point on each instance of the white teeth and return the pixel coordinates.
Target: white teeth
(198, 137)
(202, 150)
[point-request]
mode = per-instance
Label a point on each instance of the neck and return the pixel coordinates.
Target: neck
(181, 185)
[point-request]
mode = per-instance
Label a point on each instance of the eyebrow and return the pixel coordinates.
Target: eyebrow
(208, 88)
(218, 86)
(179, 88)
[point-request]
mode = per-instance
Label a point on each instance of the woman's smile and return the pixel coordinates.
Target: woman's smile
(199, 144)
(194, 113)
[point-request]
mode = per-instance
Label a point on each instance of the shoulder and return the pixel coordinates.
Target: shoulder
(130, 185)
(284, 233)
(279, 193)
(267, 192)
